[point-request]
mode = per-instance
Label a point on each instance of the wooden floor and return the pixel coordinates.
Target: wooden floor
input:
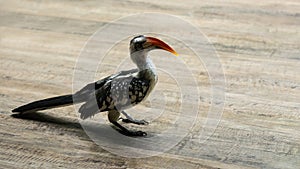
(259, 48)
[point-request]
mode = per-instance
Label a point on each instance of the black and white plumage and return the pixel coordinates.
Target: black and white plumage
(114, 93)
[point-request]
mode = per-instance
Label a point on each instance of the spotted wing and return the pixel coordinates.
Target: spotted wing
(106, 94)
(127, 91)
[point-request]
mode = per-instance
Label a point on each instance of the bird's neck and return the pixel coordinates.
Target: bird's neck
(142, 61)
(145, 65)
(148, 70)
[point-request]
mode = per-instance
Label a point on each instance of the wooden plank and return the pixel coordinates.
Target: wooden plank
(258, 44)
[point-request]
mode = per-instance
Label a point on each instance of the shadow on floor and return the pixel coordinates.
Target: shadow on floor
(67, 123)
(41, 117)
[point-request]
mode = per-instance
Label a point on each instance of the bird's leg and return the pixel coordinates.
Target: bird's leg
(113, 117)
(129, 119)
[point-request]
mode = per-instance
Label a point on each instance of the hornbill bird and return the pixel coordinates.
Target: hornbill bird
(114, 93)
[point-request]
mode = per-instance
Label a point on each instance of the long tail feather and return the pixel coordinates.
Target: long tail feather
(45, 104)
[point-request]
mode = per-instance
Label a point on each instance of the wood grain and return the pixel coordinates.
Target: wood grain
(259, 48)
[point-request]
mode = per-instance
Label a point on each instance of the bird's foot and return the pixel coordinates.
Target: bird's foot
(129, 119)
(127, 132)
(135, 133)
(134, 121)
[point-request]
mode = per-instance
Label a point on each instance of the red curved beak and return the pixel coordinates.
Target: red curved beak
(160, 44)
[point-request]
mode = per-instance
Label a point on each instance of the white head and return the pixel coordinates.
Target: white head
(141, 45)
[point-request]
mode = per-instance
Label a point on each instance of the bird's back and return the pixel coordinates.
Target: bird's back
(119, 92)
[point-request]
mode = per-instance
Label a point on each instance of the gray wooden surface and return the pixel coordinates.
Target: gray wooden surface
(259, 48)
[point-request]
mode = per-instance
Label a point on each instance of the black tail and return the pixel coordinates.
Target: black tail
(45, 104)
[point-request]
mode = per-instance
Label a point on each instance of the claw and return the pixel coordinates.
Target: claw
(137, 133)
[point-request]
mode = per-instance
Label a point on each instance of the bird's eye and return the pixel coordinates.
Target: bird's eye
(139, 45)
(138, 42)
